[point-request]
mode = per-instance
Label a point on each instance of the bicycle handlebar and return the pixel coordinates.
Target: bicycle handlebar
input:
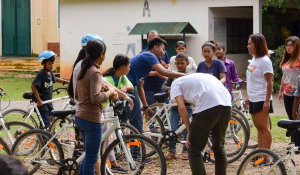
(60, 88)
(239, 85)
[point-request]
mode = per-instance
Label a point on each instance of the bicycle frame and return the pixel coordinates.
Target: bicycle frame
(115, 126)
(45, 102)
(5, 129)
(241, 103)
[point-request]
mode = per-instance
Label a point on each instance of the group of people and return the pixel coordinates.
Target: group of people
(187, 84)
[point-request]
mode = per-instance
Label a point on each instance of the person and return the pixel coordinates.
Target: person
(259, 89)
(181, 47)
(214, 116)
(140, 67)
(79, 147)
(211, 66)
(154, 82)
(42, 85)
(12, 166)
(182, 63)
(290, 65)
(296, 108)
(231, 74)
(91, 92)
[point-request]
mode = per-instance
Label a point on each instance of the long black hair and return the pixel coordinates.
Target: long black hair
(119, 61)
(94, 49)
(81, 56)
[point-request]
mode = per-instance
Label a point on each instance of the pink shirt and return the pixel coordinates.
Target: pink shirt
(290, 76)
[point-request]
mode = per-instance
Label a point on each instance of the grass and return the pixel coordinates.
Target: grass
(16, 87)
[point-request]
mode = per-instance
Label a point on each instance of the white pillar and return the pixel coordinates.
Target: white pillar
(257, 17)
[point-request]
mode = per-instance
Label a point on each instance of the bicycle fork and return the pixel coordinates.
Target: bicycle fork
(6, 130)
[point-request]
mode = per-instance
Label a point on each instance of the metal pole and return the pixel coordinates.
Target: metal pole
(184, 37)
(142, 41)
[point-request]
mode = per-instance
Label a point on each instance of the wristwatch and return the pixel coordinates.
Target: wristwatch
(64, 82)
(146, 107)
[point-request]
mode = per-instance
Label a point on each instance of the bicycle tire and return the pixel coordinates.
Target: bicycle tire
(243, 117)
(41, 135)
(142, 140)
(259, 152)
(15, 134)
(4, 149)
(23, 114)
(235, 155)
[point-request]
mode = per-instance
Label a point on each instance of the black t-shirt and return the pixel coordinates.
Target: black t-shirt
(44, 85)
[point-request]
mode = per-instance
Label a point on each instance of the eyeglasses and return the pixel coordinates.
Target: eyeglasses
(288, 45)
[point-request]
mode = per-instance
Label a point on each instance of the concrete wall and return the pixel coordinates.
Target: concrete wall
(44, 24)
(111, 19)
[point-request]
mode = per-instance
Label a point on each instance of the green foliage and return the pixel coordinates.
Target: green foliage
(280, 4)
(276, 64)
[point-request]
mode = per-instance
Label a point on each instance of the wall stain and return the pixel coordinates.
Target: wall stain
(173, 2)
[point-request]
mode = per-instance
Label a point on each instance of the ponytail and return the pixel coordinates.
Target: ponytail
(119, 61)
(111, 71)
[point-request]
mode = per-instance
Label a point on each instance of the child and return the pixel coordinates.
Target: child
(230, 67)
(42, 85)
(211, 66)
(181, 47)
(182, 62)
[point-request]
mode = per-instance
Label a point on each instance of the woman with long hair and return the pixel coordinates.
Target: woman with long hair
(259, 88)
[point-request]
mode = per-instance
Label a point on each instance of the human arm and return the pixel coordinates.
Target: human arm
(154, 73)
(223, 77)
(120, 93)
(184, 115)
(1, 89)
(234, 74)
(165, 72)
(142, 96)
(269, 78)
(60, 80)
(36, 95)
(169, 66)
(280, 95)
(295, 107)
(126, 88)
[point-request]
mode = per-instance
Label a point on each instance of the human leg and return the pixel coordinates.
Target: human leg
(45, 117)
(185, 132)
(289, 104)
(262, 124)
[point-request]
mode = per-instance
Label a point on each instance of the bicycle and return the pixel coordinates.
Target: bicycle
(26, 116)
(245, 111)
(50, 153)
(273, 163)
(4, 149)
(236, 142)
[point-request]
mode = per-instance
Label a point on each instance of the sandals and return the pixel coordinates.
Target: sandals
(170, 156)
(185, 156)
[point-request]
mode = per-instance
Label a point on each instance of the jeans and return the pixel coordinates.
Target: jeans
(45, 116)
(216, 120)
(174, 119)
(135, 116)
(91, 135)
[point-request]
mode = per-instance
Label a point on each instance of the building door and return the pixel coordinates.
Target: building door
(16, 40)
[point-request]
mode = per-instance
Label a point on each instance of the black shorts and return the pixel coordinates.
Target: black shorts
(255, 107)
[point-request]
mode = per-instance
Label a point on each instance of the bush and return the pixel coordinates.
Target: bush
(276, 64)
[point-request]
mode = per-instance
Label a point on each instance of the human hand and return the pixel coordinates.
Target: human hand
(148, 112)
(247, 102)
(1, 89)
(39, 103)
(295, 115)
(124, 89)
(163, 64)
(280, 97)
(266, 107)
(187, 144)
(105, 88)
(130, 101)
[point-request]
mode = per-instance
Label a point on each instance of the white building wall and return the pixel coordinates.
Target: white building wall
(110, 19)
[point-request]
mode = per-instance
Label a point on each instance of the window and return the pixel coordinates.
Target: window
(238, 31)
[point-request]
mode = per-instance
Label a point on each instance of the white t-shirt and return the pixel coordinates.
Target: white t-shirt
(191, 68)
(75, 75)
(256, 81)
(203, 90)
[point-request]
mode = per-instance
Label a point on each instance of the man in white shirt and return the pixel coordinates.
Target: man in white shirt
(213, 111)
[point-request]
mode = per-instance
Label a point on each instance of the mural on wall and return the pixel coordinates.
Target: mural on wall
(146, 8)
(124, 43)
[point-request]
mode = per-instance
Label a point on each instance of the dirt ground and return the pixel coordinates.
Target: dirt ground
(178, 167)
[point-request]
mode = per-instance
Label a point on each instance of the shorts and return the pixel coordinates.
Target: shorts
(255, 107)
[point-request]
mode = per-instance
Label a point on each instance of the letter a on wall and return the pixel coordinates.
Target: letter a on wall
(146, 8)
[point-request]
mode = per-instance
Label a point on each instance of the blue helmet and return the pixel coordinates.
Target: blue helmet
(88, 38)
(46, 55)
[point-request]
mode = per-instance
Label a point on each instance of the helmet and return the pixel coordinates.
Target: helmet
(88, 38)
(46, 55)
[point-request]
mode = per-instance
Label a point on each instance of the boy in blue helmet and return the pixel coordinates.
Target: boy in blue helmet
(42, 85)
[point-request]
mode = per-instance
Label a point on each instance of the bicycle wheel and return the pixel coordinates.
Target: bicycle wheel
(4, 149)
(15, 130)
(141, 146)
(243, 117)
(156, 107)
(19, 115)
(248, 166)
(56, 125)
(235, 142)
(37, 162)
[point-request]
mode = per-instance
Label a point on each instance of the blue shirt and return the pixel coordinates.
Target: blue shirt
(140, 67)
(216, 68)
(154, 83)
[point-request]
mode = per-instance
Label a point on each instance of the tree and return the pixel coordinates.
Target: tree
(280, 4)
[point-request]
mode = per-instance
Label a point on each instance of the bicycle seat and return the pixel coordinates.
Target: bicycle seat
(289, 124)
(62, 114)
(28, 95)
(161, 97)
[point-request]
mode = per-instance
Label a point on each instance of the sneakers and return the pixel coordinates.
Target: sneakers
(118, 169)
(262, 162)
